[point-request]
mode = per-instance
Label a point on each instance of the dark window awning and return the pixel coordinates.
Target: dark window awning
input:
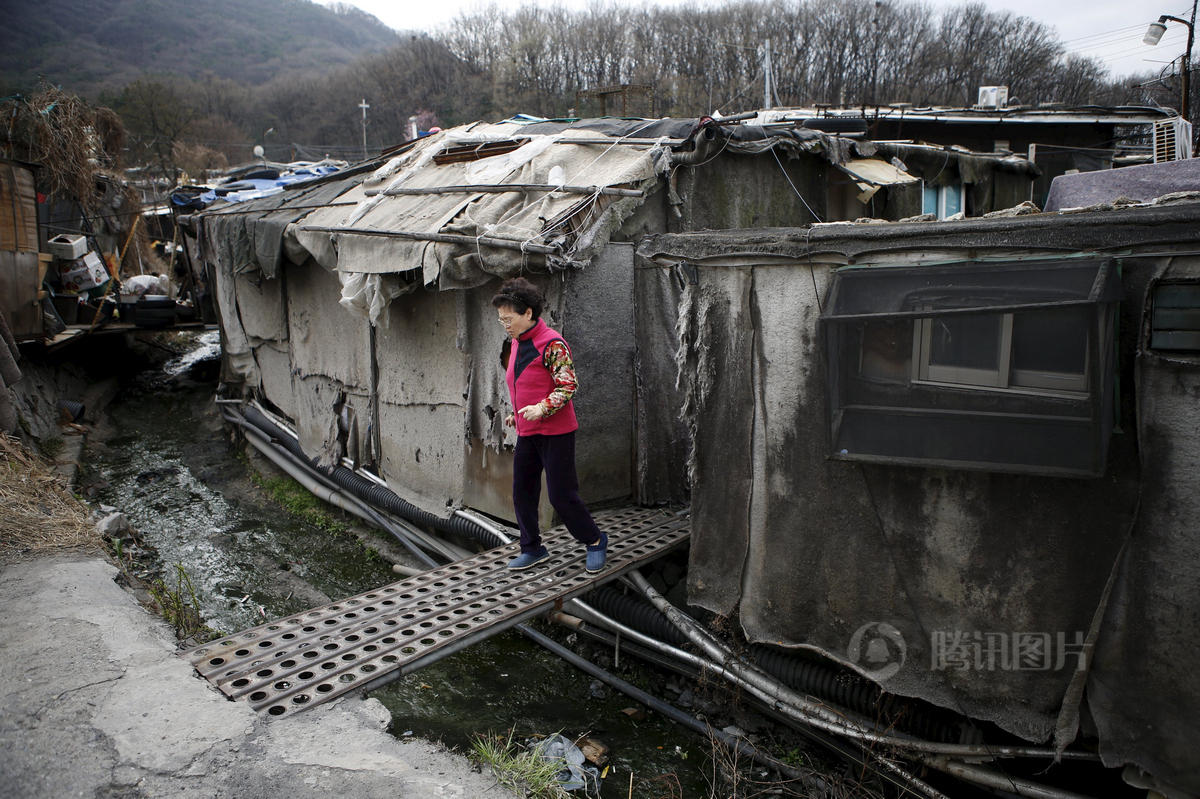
(1003, 367)
(980, 287)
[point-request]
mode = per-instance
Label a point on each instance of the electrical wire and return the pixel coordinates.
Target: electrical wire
(793, 185)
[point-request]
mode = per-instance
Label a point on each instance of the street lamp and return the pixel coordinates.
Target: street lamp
(1155, 32)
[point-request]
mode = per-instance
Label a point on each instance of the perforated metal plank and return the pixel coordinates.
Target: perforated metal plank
(367, 640)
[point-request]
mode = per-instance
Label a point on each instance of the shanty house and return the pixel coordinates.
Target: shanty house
(960, 458)
(957, 457)
(1056, 138)
(357, 305)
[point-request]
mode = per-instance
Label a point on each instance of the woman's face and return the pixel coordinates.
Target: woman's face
(515, 323)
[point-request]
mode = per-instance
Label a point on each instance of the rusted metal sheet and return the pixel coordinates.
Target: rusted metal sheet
(18, 209)
(368, 640)
(474, 152)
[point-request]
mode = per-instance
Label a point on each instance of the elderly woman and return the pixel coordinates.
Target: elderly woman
(541, 382)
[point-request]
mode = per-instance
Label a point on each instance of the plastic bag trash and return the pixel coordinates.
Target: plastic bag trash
(574, 775)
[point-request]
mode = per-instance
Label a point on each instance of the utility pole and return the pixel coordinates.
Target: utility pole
(767, 82)
(364, 106)
(1155, 32)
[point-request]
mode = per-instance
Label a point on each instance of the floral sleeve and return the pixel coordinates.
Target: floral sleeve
(557, 359)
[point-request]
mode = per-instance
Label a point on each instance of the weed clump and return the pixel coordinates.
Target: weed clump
(521, 770)
(179, 606)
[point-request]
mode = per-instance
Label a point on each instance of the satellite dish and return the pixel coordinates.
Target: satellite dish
(258, 151)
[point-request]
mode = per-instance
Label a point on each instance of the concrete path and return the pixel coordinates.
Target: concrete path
(94, 702)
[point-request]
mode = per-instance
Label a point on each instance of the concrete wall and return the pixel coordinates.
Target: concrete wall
(805, 551)
(330, 358)
(422, 384)
(742, 191)
(1142, 690)
(593, 309)
(438, 387)
(597, 321)
(820, 554)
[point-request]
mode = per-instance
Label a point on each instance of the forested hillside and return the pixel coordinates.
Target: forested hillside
(90, 46)
(199, 84)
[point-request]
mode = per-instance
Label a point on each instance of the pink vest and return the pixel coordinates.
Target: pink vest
(530, 382)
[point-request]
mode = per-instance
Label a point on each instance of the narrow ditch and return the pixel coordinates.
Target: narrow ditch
(164, 458)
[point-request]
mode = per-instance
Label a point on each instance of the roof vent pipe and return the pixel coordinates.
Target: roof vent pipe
(703, 143)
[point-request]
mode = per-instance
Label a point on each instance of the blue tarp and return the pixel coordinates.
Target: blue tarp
(198, 197)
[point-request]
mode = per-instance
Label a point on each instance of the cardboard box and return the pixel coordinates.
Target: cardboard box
(67, 246)
(83, 274)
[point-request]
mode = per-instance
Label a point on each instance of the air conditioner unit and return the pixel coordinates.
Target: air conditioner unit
(1172, 139)
(992, 97)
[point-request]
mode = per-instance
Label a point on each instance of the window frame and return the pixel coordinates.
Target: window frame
(960, 189)
(1174, 326)
(1005, 376)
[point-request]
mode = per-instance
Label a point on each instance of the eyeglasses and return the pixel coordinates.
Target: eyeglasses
(507, 320)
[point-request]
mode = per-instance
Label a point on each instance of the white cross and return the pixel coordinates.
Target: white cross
(364, 106)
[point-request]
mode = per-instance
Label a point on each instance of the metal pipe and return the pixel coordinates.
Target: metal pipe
(278, 421)
(994, 779)
(566, 620)
(634, 142)
(596, 631)
(804, 708)
(446, 238)
(485, 523)
(670, 711)
(492, 188)
(321, 489)
(704, 141)
(407, 571)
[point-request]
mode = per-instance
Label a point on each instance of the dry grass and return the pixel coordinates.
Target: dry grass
(41, 514)
(71, 141)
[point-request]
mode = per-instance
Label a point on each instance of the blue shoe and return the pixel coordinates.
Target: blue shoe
(527, 559)
(597, 555)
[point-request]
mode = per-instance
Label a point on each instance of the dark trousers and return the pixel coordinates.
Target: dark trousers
(556, 455)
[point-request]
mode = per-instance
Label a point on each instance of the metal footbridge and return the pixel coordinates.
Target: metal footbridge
(368, 640)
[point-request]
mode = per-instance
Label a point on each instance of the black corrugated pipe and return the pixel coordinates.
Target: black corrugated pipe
(840, 686)
(315, 483)
(642, 616)
(374, 493)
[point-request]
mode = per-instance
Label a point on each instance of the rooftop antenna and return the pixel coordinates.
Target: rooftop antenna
(364, 106)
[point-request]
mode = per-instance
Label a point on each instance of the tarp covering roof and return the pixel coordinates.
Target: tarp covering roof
(1140, 183)
(478, 201)
(413, 194)
(466, 205)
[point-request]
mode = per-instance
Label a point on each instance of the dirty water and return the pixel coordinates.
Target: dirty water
(163, 458)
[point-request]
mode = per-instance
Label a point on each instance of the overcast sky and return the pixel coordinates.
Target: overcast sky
(1110, 30)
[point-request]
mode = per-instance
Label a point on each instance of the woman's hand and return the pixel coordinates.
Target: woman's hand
(531, 413)
(510, 420)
